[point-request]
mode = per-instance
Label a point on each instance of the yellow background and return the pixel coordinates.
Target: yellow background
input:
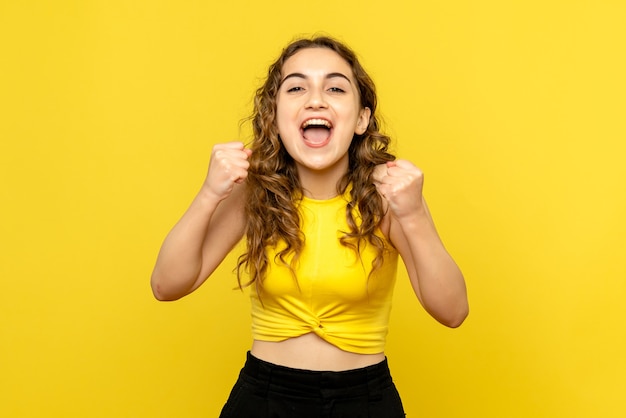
(515, 110)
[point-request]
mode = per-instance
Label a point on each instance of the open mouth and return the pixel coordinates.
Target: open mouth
(316, 132)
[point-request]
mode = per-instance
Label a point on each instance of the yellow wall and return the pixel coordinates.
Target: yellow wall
(514, 109)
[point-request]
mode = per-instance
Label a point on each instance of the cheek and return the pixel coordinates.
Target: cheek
(281, 127)
(286, 125)
(282, 117)
(278, 122)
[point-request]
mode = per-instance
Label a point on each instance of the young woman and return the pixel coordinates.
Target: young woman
(325, 210)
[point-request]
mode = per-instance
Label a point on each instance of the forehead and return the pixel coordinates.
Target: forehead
(312, 61)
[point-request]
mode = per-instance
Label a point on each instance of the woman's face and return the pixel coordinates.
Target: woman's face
(319, 110)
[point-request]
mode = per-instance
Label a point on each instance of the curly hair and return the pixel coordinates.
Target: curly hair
(273, 185)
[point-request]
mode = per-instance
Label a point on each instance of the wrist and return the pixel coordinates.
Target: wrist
(207, 197)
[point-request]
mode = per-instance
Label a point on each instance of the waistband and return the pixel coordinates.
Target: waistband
(265, 376)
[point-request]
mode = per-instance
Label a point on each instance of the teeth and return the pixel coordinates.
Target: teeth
(316, 122)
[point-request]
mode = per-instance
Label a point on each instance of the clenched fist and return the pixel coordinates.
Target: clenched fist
(228, 166)
(400, 183)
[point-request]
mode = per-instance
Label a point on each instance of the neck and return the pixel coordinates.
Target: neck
(321, 184)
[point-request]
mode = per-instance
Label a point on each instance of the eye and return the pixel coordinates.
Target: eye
(294, 89)
(336, 90)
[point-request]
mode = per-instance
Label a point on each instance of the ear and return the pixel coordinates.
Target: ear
(363, 121)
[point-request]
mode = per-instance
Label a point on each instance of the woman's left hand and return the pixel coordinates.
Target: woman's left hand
(400, 183)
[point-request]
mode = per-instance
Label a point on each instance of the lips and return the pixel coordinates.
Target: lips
(316, 131)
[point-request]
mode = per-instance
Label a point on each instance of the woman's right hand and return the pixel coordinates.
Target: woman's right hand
(208, 230)
(228, 166)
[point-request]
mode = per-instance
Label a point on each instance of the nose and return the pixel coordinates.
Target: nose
(316, 100)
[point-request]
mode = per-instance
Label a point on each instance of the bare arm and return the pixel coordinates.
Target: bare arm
(435, 277)
(209, 229)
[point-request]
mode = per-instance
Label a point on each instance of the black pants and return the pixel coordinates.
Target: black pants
(265, 390)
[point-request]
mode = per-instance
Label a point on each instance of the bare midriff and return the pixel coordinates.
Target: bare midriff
(310, 352)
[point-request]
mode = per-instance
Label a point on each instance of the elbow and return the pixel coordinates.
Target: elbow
(452, 316)
(162, 295)
(455, 311)
(456, 319)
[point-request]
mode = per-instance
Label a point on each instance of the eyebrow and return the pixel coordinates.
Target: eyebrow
(328, 76)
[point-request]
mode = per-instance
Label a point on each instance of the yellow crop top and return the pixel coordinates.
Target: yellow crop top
(332, 296)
